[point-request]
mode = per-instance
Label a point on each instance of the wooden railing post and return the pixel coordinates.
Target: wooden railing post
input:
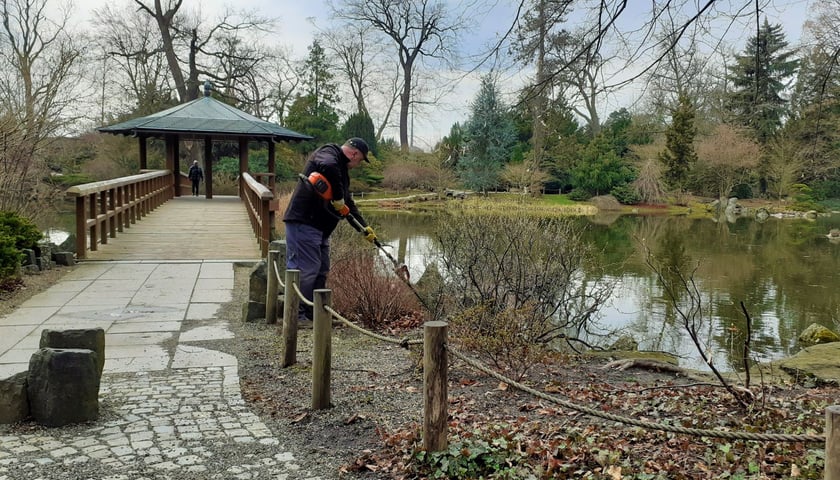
(321, 349)
(81, 227)
(435, 364)
(290, 312)
(832, 443)
(272, 285)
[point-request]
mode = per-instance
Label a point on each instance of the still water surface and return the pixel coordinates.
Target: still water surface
(785, 271)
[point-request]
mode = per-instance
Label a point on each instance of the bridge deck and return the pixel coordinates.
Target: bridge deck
(186, 228)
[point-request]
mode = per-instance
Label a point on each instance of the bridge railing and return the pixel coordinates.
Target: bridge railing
(258, 199)
(104, 208)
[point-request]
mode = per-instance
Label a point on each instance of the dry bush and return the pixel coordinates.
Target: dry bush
(406, 176)
(499, 338)
(727, 157)
(363, 288)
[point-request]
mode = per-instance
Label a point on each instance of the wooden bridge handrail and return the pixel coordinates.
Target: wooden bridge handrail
(105, 208)
(94, 187)
(258, 201)
(258, 188)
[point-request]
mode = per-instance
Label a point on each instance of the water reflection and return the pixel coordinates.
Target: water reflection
(785, 272)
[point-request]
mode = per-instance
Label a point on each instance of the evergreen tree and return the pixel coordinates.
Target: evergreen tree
(679, 155)
(760, 76)
(314, 112)
(490, 136)
(361, 125)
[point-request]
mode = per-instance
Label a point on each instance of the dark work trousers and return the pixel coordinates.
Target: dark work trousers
(308, 250)
(195, 186)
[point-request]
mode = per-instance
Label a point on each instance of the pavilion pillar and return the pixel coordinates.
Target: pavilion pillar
(144, 164)
(208, 166)
(243, 164)
(272, 167)
(172, 163)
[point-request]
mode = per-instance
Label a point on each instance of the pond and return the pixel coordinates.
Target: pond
(785, 271)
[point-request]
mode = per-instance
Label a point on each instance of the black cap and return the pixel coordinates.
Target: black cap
(359, 144)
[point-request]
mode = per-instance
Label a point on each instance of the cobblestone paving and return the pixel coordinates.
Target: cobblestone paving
(173, 424)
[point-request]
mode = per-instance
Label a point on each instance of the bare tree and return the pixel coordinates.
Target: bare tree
(363, 62)
(193, 51)
(129, 43)
(38, 61)
(727, 156)
(420, 30)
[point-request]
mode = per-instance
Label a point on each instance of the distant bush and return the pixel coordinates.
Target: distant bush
(626, 195)
(579, 195)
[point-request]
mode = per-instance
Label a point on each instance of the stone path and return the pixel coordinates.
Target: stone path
(169, 409)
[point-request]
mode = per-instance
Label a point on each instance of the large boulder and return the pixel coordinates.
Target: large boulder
(816, 364)
(817, 334)
(258, 282)
(63, 386)
(85, 338)
(14, 403)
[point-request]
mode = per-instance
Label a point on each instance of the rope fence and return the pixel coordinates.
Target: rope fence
(435, 363)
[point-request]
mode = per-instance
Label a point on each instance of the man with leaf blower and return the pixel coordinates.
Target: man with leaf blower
(320, 200)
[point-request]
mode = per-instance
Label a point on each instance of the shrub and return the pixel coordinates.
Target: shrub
(21, 230)
(579, 195)
(524, 271)
(10, 258)
(500, 338)
(475, 457)
(626, 195)
(363, 288)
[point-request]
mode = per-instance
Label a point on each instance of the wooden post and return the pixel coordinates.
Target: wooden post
(290, 312)
(272, 167)
(93, 232)
(208, 167)
(81, 227)
(143, 155)
(243, 163)
(435, 364)
(271, 287)
(832, 442)
(321, 350)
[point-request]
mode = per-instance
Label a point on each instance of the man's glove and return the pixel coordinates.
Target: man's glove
(340, 207)
(369, 235)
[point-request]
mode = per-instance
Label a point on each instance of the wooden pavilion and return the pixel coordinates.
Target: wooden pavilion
(205, 119)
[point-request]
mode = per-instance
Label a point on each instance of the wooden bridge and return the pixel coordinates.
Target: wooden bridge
(139, 218)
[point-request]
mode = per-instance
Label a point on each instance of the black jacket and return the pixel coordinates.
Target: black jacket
(306, 206)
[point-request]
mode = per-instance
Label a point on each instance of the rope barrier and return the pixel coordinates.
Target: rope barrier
(277, 275)
(300, 295)
(728, 435)
(770, 437)
(404, 342)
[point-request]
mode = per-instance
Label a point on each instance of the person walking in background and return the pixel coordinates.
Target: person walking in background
(319, 201)
(196, 176)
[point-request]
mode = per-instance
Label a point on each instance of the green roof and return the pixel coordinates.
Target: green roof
(204, 116)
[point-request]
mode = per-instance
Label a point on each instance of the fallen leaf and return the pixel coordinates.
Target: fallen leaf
(614, 472)
(794, 471)
(502, 386)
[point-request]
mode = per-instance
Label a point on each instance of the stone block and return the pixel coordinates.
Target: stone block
(14, 402)
(63, 386)
(85, 338)
(253, 311)
(68, 259)
(29, 257)
(258, 283)
(44, 263)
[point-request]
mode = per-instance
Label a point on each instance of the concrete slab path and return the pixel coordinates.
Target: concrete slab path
(169, 408)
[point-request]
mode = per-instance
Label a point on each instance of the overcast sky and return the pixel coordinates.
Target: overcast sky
(298, 21)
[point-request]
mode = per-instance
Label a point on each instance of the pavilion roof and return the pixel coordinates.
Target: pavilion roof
(204, 116)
